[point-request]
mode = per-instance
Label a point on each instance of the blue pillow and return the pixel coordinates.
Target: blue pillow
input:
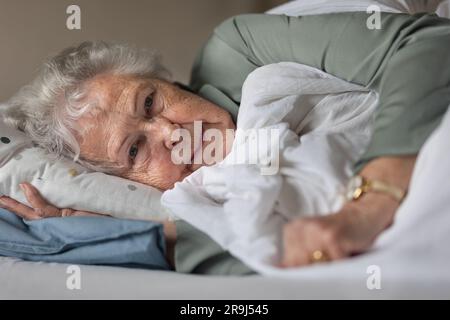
(84, 240)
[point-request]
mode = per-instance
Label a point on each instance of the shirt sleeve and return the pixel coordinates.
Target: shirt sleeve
(196, 252)
(407, 62)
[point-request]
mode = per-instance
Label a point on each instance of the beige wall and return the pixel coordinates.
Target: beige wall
(31, 30)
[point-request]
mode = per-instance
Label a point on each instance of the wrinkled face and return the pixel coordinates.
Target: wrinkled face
(133, 122)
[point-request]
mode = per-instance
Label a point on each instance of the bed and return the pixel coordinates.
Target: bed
(396, 273)
(48, 281)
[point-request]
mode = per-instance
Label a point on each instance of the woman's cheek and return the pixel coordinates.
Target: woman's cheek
(149, 177)
(162, 174)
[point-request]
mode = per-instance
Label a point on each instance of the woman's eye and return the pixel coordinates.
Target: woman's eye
(148, 103)
(133, 151)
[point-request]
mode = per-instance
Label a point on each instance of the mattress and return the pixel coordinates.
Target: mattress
(37, 280)
(48, 280)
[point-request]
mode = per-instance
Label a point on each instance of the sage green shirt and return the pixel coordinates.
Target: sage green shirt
(407, 62)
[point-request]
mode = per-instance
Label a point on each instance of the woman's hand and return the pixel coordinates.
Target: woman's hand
(40, 207)
(355, 227)
(350, 231)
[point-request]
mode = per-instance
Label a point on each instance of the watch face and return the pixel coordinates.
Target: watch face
(354, 184)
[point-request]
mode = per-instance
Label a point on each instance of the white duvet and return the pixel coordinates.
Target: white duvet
(412, 250)
(242, 209)
(299, 130)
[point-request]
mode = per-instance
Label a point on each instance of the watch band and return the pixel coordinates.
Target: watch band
(364, 185)
(379, 186)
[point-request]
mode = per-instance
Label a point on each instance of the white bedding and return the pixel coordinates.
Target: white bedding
(309, 7)
(237, 206)
(412, 259)
(311, 127)
(36, 280)
(48, 281)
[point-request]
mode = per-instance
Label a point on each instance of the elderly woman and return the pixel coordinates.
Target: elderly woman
(114, 109)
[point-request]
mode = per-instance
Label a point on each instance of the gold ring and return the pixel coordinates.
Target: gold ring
(318, 256)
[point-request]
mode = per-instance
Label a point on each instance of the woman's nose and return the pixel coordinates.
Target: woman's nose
(166, 128)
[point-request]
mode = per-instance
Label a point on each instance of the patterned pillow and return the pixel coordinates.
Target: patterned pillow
(66, 184)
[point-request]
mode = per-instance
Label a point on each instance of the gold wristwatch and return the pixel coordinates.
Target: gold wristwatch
(359, 185)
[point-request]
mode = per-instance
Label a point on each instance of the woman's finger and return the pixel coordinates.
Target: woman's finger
(335, 251)
(41, 207)
(294, 250)
(19, 209)
(294, 259)
(33, 196)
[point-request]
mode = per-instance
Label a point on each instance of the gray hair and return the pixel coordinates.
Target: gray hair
(48, 107)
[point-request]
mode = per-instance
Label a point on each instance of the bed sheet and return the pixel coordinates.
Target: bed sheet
(38, 280)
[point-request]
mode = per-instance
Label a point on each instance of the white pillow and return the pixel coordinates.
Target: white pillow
(444, 9)
(66, 184)
(310, 7)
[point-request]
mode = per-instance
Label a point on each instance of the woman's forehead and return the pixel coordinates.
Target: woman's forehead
(110, 117)
(115, 92)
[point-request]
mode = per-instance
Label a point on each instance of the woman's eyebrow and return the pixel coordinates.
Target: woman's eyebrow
(136, 98)
(128, 98)
(135, 101)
